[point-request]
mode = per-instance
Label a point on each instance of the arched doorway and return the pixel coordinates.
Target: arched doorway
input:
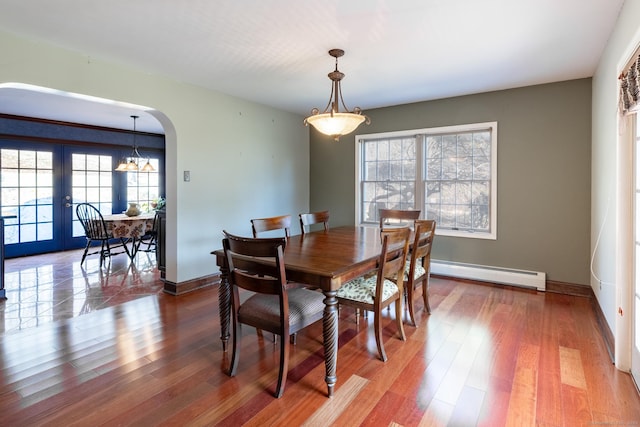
(44, 178)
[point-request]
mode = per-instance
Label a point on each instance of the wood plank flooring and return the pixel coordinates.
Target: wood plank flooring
(486, 356)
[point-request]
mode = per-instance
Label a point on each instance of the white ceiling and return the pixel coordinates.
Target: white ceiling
(275, 51)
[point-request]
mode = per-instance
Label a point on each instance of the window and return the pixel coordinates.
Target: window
(449, 173)
(144, 187)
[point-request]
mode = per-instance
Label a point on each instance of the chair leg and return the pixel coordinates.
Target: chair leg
(377, 329)
(409, 300)
(103, 254)
(126, 248)
(86, 249)
(399, 322)
(284, 363)
(233, 366)
(425, 294)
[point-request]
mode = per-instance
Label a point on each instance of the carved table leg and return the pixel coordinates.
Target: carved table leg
(224, 302)
(330, 335)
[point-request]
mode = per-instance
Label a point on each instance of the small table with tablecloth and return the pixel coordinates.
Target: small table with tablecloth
(130, 227)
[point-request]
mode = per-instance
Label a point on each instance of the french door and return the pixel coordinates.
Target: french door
(42, 183)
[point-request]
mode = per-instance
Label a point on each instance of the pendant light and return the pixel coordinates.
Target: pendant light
(331, 121)
(130, 165)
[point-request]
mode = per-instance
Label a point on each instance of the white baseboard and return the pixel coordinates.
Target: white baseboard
(508, 276)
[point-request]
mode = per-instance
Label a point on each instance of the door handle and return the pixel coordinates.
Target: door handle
(68, 201)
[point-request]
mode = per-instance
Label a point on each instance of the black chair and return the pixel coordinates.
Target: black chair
(95, 230)
(257, 265)
(148, 242)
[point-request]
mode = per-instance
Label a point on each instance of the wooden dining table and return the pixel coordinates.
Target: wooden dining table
(323, 259)
(131, 228)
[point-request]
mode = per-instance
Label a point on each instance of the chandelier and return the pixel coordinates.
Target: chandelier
(130, 164)
(331, 121)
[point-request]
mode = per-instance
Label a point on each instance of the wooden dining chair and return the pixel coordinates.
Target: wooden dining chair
(377, 291)
(282, 222)
(274, 305)
(261, 225)
(397, 217)
(418, 265)
(309, 219)
(95, 230)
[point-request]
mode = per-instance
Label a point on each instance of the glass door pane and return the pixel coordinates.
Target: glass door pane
(27, 191)
(91, 182)
(89, 178)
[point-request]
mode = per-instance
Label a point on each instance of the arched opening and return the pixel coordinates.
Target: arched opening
(48, 106)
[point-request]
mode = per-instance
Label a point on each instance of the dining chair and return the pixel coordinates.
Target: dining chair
(418, 265)
(397, 217)
(282, 222)
(95, 230)
(309, 219)
(148, 241)
(275, 306)
(260, 225)
(377, 291)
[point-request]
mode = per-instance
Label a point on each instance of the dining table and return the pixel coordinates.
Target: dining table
(130, 228)
(321, 259)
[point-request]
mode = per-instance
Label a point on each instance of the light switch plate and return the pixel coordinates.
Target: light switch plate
(187, 176)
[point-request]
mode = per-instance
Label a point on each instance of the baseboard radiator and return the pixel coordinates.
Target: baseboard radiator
(507, 276)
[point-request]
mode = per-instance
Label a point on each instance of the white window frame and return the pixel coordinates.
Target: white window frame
(493, 126)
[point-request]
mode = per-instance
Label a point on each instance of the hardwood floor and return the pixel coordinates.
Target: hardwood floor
(486, 356)
(50, 287)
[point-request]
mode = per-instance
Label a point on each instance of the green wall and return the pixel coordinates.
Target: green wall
(246, 160)
(544, 169)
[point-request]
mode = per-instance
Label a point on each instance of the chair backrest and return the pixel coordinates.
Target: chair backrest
(156, 223)
(256, 264)
(397, 217)
(424, 230)
(395, 247)
(282, 222)
(308, 219)
(92, 221)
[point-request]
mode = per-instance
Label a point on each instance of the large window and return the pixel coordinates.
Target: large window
(448, 173)
(144, 187)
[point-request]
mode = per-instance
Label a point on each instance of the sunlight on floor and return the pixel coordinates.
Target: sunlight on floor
(45, 288)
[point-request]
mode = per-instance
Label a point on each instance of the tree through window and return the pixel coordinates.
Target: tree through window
(449, 173)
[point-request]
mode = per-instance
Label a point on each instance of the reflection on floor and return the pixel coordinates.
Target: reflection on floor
(45, 288)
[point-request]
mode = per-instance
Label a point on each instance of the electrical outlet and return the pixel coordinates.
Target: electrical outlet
(187, 176)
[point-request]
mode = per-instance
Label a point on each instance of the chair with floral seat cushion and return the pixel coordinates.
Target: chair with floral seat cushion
(418, 264)
(397, 217)
(377, 291)
(393, 218)
(309, 219)
(257, 265)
